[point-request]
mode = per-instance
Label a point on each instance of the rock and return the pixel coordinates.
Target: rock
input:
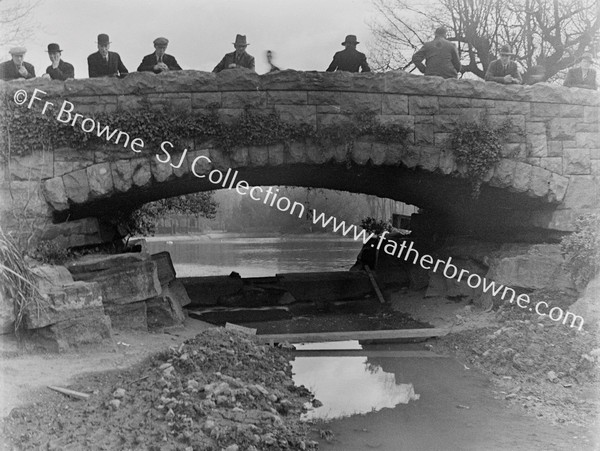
(119, 393)
(81, 232)
(587, 306)
(175, 290)
(51, 277)
(552, 377)
(164, 265)
(99, 262)
(164, 311)
(128, 316)
(232, 448)
(115, 404)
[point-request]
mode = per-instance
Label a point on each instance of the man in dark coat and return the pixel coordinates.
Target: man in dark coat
(236, 59)
(440, 55)
(159, 61)
(59, 69)
(349, 59)
(104, 63)
(16, 68)
(503, 70)
(583, 76)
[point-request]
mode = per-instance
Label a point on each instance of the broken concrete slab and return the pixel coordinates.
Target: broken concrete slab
(208, 290)
(166, 271)
(51, 277)
(94, 262)
(128, 316)
(164, 311)
(81, 232)
(176, 290)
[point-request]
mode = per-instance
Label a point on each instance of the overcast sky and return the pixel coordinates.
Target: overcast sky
(304, 34)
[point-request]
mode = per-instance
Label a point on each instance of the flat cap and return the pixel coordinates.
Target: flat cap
(18, 51)
(161, 41)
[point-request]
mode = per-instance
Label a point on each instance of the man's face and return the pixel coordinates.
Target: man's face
(504, 58)
(18, 59)
(160, 50)
(586, 63)
(54, 56)
(239, 48)
(103, 49)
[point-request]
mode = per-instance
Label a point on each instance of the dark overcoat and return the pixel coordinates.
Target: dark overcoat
(575, 79)
(349, 60)
(149, 61)
(8, 71)
(441, 58)
(62, 72)
(245, 60)
(99, 67)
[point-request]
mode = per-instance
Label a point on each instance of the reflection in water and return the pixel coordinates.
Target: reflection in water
(259, 257)
(348, 386)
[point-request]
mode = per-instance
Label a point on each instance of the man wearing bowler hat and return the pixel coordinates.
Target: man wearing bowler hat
(104, 63)
(503, 70)
(440, 55)
(236, 59)
(159, 61)
(349, 59)
(583, 76)
(16, 68)
(59, 69)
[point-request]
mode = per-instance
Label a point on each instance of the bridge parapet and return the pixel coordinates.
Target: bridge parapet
(552, 154)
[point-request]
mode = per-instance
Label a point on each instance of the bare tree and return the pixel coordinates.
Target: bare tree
(549, 34)
(16, 25)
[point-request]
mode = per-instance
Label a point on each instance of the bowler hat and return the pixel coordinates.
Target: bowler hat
(240, 39)
(53, 48)
(350, 39)
(587, 56)
(161, 41)
(505, 50)
(103, 39)
(18, 51)
(440, 31)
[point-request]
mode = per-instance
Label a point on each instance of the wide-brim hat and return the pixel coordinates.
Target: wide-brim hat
(350, 39)
(161, 42)
(587, 56)
(103, 39)
(18, 51)
(53, 48)
(240, 39)
(506, 50)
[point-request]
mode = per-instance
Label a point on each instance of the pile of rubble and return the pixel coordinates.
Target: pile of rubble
(218, 391)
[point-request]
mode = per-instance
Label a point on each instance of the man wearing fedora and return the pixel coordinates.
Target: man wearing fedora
(16, 68)
(440, 55)
(503, 70)
(583, 76)
(159, 61)
(59, 69)
(236, 59)
(104, 63)
(349, 59)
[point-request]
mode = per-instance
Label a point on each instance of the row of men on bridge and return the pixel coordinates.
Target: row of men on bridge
(438, 57)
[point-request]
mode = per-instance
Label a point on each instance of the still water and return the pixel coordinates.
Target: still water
(256, 256)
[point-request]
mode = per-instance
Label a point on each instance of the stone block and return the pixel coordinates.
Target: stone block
(445, 123)
(557, 187)
(276, 154)
(125, 284)
(563, 129)
(522, 176)
(177, 101)
(220, 159)
(164, 267)
(55, 193)
(229, 115)
(429, 158)
(164, 311)
(98, 262)
(243, 99)
(81, 232)
(341, 153)
(361, 152)
(122, 175)
(239, 156)
(176, 290)
(591, 114)
(317, 154)
(35, 165)
(287, 98)
(588, 140)
(553, 164)
(447, 163)
(567, 110)
(94, 104)
(182, 165)
(77, 186)
(537, 145)
(200, 162)
(298, 114)
(595, 167)
(442, 140)
(128, 316)
(396, 104)
(100, 179)
(205, 99)
(454, 102)
(555, 148)
(545, 109)
(331, 109)
(161, 172)
(51, 277)
(504, 173)
(323, 98)
(259, 156)
(141, 174)
(423, 105)
(514, 150)
(297, 152)
(354, 102)
(92, 329)
(577, 161)
(582, 193)
(540, 181)
(72, 300)
(410, 157)
(511, 107)
(378, 153)
(424, 134)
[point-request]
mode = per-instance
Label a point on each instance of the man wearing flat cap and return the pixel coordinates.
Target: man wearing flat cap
(583, 76)
(59, 69)
(159, 61)
(503, 70)
(349, 59)
(104, 63)
(16, 68)
(440, 55)
(236, 59)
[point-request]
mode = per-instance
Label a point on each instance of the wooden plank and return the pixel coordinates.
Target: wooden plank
(375, 286)
(365, 353)
(72, 393)
(353, 335)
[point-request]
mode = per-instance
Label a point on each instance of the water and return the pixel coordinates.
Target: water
(256, 256)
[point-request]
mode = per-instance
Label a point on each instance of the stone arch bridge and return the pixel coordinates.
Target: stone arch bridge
(549, 173)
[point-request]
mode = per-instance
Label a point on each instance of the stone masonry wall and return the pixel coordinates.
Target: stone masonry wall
(552, 152)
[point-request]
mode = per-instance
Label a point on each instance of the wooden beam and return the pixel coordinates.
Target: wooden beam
(375, 286)
(68, 392)
(317, 337)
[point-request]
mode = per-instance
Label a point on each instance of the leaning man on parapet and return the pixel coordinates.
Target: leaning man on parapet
(159, 61)
(59, 69)
(236, 59)
(349, 59)
(583, 76)
(16, 68)
(440, 55)
(503, 70)
(104, 63)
